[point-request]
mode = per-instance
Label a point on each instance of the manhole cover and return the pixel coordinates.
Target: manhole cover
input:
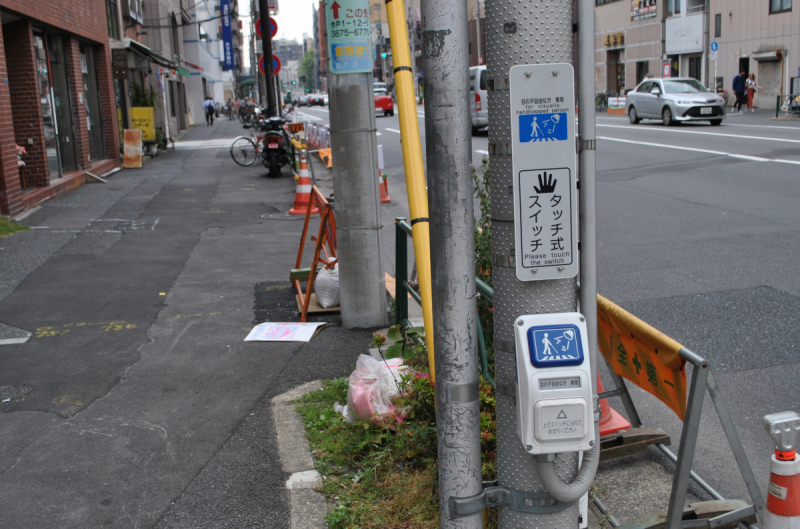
(15, 392)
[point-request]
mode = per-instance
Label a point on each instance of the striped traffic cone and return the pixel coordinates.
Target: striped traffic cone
(303, 195)
(384, 186)
(783, 498)
(610, 421)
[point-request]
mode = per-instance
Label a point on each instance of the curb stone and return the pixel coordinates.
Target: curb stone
(308, 507)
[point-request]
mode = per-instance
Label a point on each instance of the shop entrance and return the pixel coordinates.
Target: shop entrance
(615, 74)
(55, 97)
(92, 102)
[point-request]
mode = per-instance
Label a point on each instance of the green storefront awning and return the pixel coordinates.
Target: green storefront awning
(249, 81)
(183, 71)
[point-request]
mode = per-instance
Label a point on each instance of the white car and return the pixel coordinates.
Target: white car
(673, 100)
(478, 104)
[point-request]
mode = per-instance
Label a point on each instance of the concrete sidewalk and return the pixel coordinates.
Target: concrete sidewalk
(149, 410)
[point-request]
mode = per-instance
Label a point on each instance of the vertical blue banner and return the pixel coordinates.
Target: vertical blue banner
(227, 34)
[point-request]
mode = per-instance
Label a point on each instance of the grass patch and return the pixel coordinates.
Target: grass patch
(8, 227)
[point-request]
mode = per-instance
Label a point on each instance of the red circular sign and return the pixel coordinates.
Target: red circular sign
(276, 65)
(258, 27)
(273, 27)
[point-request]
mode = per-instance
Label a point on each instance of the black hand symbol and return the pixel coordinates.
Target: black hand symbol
(545, 185)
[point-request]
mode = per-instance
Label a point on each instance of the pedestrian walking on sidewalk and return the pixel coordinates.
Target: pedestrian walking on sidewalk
(750, 88)
(209, 108)
(739, 87)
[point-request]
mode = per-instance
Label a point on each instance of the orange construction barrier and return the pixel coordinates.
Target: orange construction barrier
(303, 195)
(610, 421)
(384, 185)
(325, 244)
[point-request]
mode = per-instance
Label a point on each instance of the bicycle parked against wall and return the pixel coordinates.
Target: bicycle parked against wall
(245, 150)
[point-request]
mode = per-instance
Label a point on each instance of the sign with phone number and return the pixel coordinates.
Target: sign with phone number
(349, 36)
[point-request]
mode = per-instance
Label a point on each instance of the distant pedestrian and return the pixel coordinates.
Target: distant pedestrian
(739, 87)
(750, 88)
(209, 108)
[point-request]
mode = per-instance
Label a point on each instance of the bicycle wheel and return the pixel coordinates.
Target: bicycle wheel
(243, 151)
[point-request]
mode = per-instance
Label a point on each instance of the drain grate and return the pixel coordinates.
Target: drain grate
(8, 393)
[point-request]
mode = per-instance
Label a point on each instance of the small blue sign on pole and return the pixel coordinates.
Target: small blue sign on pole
(543, 127)
(714, 46)
(227, 35)
(555, 346)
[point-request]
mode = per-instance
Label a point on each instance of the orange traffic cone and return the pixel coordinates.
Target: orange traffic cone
(303, 195)
(783, 498)
(610, 421)
(384, 185)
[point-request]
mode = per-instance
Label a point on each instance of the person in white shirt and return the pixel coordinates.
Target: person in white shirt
(210, 108)
(750, 88)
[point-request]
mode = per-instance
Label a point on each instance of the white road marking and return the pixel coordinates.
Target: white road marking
(393, 130)
(378, 134)
(736, 136)
(485, 153)
(309, 116)
(706, 151)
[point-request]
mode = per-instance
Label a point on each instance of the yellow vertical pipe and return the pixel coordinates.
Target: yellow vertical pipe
(412, 161)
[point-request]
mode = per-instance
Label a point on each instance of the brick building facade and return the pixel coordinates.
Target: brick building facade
(56, 99)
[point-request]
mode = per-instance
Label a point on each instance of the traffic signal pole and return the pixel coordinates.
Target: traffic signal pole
(266, 39)
(452, 227)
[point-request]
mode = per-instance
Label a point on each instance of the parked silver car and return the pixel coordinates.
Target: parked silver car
(674, 100)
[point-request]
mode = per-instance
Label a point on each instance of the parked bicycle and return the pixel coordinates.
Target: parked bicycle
(245, 150)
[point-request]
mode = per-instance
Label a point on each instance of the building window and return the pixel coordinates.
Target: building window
(779, 6)
(113, 19)
(674, 7)
(718, 25)
(135, 10)
(176, 37)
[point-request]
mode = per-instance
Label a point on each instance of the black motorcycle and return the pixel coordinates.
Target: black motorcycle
(277, 150)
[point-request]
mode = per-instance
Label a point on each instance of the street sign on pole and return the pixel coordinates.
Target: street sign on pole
(712, 56)
(349, 36)
(262, 66)
(273, 27)
(276, 64)
(545, 192)
(258, 28)
(273, 6)
(666, 68)
(714, 46)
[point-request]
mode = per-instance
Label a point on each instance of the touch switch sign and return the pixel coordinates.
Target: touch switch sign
(554, 389)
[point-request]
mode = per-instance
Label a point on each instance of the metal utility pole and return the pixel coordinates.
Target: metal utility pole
(266, 39)
(543, 35)
(362, 285)
(448, 142)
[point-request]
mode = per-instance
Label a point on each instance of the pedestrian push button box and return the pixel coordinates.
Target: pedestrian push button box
(554, 385)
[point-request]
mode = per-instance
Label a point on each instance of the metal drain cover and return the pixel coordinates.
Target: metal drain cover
(8, 393)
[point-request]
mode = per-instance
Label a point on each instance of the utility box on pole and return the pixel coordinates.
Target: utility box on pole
(355, 169)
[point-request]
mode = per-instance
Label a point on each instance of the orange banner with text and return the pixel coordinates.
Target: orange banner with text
(642, 354)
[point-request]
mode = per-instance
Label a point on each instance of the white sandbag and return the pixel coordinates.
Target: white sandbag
(326, 287)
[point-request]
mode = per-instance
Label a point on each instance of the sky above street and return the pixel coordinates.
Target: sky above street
(294, 18)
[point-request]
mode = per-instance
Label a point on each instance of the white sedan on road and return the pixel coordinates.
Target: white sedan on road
(674, 100)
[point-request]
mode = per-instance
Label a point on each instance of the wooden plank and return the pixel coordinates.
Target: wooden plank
(313, 306)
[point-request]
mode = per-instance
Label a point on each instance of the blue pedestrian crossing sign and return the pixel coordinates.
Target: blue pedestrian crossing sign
(714, 46)
(555, 346)
(543, 127)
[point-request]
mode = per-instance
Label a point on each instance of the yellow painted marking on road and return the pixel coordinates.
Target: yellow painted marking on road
(69, 400)
(49, 331)
(276, 287)
(198, 315)
(162, 293)
(214, 210)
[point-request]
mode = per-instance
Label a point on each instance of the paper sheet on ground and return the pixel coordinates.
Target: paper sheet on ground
(283, 332)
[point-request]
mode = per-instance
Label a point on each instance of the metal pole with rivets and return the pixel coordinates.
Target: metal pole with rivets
(520, 32)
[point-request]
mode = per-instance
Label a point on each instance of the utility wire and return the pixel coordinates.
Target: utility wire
(156, 26)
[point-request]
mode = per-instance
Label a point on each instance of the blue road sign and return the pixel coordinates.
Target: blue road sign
(543, 127)
(714, 46)
(555, 346)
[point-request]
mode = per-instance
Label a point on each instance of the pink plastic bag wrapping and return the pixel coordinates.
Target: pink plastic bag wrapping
(372, 386)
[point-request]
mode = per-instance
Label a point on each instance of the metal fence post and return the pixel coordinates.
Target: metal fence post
(401, 272)
(520, 32)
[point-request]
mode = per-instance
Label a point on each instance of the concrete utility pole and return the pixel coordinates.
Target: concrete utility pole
(543, 35)
(355, 184)
(449, 146)
(478, 30)
(266, 38)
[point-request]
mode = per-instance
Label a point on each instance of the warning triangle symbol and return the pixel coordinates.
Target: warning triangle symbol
(562, 415)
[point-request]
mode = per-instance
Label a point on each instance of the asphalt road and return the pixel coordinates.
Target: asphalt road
(150, 411)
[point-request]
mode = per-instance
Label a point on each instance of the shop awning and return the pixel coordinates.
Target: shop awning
(183, 71)
(249, 82)
(775, 55)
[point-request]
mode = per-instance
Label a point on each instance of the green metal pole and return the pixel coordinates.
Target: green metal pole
(401, 269)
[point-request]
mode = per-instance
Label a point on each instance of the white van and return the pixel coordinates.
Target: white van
(478, 104)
